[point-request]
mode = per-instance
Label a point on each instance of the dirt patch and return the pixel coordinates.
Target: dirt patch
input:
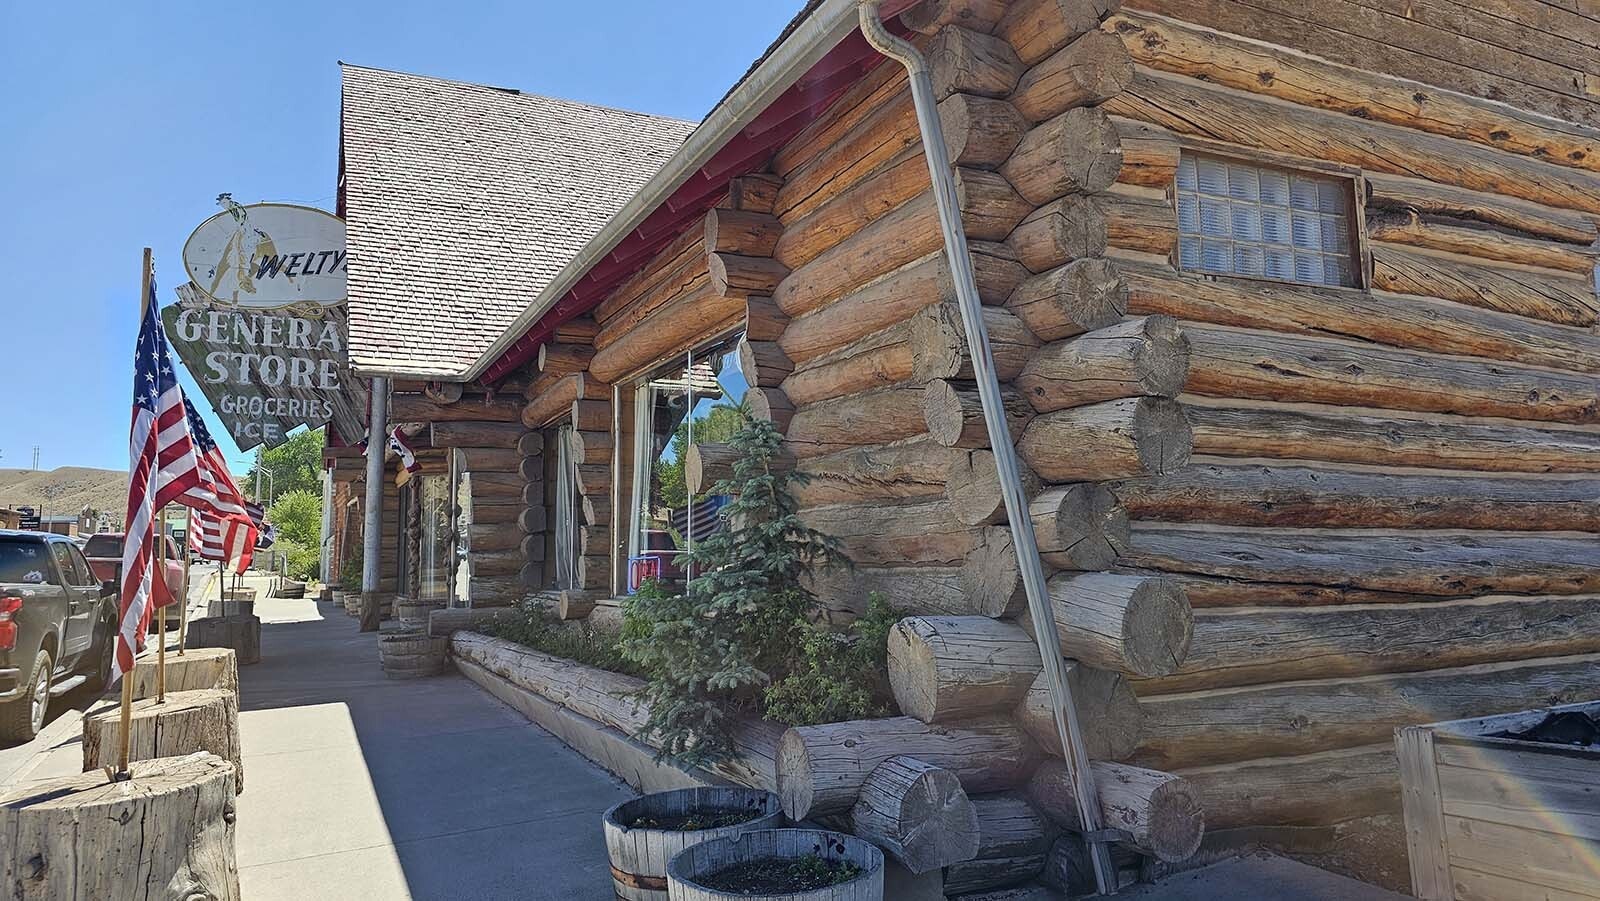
(696, 821)
(772, 875)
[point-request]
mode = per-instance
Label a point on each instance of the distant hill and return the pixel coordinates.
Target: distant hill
(66, 489)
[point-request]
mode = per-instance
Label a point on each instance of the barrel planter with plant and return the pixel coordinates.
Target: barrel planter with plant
(787, 864)
(644, 833)
(411, 654)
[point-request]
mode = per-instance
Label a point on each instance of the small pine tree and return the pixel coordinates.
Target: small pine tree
(711, 650)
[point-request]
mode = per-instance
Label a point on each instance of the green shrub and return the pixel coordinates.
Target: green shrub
(304, 561)
(530, 624)
(841, 675)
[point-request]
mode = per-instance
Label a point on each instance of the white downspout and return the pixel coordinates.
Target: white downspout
(994, 417)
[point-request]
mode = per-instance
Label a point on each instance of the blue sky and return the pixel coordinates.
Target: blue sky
(122, 122)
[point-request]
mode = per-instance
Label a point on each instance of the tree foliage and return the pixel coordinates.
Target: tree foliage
(297, 515)
(841, 675)
(295, 465)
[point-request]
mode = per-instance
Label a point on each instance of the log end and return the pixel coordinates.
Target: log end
(1157, 628)
(991, 578)
(1177, 821)
(1162, 358)
(1165, 438)
(913, 672)
(796, 781)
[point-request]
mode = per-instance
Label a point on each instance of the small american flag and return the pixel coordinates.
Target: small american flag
(225, 524)
(162, 468)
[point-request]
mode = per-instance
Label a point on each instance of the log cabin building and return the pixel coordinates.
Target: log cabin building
(1295, 307)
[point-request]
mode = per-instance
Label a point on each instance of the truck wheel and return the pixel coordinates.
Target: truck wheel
(105, 654)
(22, 718)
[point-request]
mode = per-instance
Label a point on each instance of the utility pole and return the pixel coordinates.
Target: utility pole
(36, 458)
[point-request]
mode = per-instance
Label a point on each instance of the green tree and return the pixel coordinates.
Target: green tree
(718, 425)
(295, 465)
(297, 515)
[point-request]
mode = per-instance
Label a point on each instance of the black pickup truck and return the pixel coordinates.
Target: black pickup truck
(57, 627)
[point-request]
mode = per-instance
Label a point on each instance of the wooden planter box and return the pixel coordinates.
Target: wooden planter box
(1500, 818)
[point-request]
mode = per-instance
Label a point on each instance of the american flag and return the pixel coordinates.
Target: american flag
(225, 524)
(162, 468)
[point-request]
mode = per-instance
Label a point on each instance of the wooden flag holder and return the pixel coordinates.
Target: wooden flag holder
(123, 738)
(183, 609)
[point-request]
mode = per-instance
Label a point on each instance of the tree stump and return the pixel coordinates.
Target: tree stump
(186, 722)
(196, 670)
(167, 833)
(241, 633)
(231, 608)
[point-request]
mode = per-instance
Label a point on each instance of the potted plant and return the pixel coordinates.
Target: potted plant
(350, 579)
(644, 833)
(791, 864)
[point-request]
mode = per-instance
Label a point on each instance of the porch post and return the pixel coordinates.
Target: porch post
(372, 534)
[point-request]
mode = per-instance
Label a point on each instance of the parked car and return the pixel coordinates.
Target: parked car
(104, 551)
(57, 627)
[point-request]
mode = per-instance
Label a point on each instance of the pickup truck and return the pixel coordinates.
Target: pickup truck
(104, 550)
(57, 627)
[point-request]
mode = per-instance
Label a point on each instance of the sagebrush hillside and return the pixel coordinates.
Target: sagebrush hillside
(66, 489)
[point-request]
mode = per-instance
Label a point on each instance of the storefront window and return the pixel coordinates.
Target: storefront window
(689, 402)
(434, 547)
(566, 510)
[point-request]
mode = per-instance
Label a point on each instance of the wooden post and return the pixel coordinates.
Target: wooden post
(183, 611)
(127, 678)
(161, 612)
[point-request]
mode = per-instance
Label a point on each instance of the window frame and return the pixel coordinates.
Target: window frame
(1360, 252)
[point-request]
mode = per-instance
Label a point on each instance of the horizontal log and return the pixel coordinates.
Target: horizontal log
(939, 348)
(972, 486)
(1110, 440)
(678, 265)
(1437, 233)
(905, 234)
(475, 434)
(596, 509)
(821, 768)
(1309, 790)
(772, 405)
(589, 448)
(970, 62)
(1400, 193)
(1342, 436)
(1190, 107)
(944, 668)
(843, 215)
(1545, 294)
(1109, 713)
(1038, 28)
(591, 415)
(417, 408)
(563, 359)
(871, 126)
(1139, 219)
(1064, 230)
(1445, 564)
(1254, 646)
(1076, 152)
(929, 16)
(1201, 728)
(755, 192)
(916, 467)
(1093, 68)
(763, 321)
(707, 464)
(534, 520)
(1142, 357)
(915, 531)
(1232, 363)
(576, 604)
(953, 413)
(556, 400)
(990, 206)
(1079, 297)
(1250, 494)
(1013, 839)
(917, 813)
(1172, 46)
(1080, 526)
(1135, 624)
(499, 562)
(489, 459)
(577, 330)
(1396, 320)
(532, 469)
(980, 132)
(535, 548)
(743, 232)
(987, 583)
(593, 479)
(874, 417)
(879, 360)
(763, 363)
(675, 326)
(737, 275)
(1149, 154)
(486, 538)
(1159, 812)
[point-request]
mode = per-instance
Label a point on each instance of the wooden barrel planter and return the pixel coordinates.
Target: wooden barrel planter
(774, 864)
(412, 654)
(415, 613)
(644, 833)
(352, 603)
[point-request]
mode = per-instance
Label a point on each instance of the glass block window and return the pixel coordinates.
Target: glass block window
(1237, 218)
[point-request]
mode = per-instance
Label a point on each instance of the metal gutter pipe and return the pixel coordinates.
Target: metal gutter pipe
(810, 42)
(372, 528)
(994, 417)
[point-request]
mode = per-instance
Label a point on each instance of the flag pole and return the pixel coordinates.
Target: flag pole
(161, 614)
(127, 678)
(183, 611)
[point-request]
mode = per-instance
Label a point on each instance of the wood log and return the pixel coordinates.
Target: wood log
(1397, 320)
(446, 621)
(880, 360)
(1071, 228)
(707, 464)
(944, 668)
(563, 359)
(988, 584)
(533, 520)
(772, 405)
(489, 459)
(577, 330)
(416, 408)
(1013, 839)
(535, 547)
(194, 670)
(1252, 646)
(593, 479)
(1149, 154)
(1079, 526)
(605, 697)
(1093, 68)
(532, 469)
(594, 572)
(555, 401)
(241, 633)
(1201, 728)
(674, 326)
(1543, 294)
(486, 538)
(763, 321)
(508, 562)
(1310, 790)
(1222, 114)
(961, 61)
(1114, 439)
(874, 417)
(1233, 363)
(576, 604)
(1437, 233)
(1160, 813)
(1068, 870)
(737, 275)
(1442, 564)
(980, 132)
(908, 233)
(1038, 28)
(874, 124)
(166, 832)
(913, 531)
(1081, 296)
(845, 214)
(939, 348)
(917, 813)
(763, 363)
(1135, 624)
(755, 192)
(742, 232)
(677, 269)
(1110, 715)
(972, 487)
(953, 413)
(591, 448)
(475, 434)
(821, 768)
(594, 541)
(1076, 152)
(1146, 356)
(1412, 194)
(596, 509)
(1172, 46)
(1251, 494)
(916, 467)
(1341, 436)
(929, 16)
(591, 415)
(186, 722)
(1140, 219)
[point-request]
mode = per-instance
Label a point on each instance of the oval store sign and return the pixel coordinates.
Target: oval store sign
(268, 256)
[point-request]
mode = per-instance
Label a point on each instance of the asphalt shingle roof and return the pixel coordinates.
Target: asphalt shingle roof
(462, 201)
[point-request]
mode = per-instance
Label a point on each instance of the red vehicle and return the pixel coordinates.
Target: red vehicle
(104, 552)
